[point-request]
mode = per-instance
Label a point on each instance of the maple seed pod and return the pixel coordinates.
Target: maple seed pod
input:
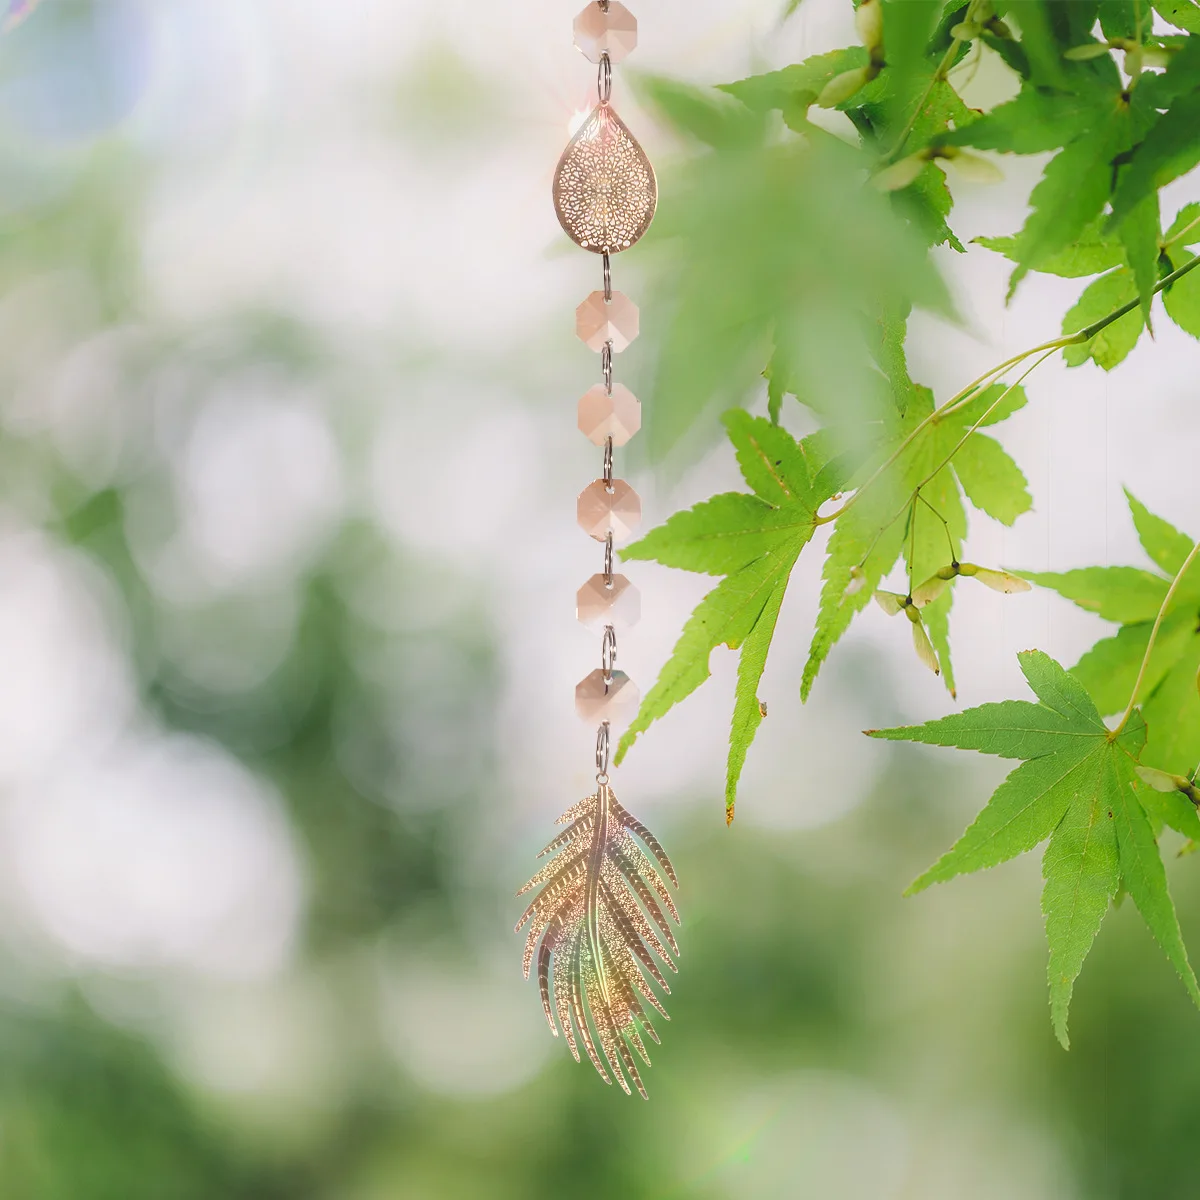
(997, 28)
(966, 31)
(998, 581)
(891, 602)
(931, 589)
(1083, 53)
(923, 646)
(868, 21)
(1162, 781)
(841, 87)
(858, 581)
(900, 174)
(1157, 56)
(974, 168)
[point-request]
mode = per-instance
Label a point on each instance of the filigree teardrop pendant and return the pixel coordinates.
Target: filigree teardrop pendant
(605, 192)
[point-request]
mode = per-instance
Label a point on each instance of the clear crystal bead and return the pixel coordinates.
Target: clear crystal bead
(602, 416)
(608, 601)
(603, 510)
(612, 31)
(614, 700)
(598, 321)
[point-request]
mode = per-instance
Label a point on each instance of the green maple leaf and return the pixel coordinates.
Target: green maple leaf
(1074, 787)
(753, 540)
(1073, 191)
(1130, 19)
(1182, 298)
(1092, 121)
(906, 89)
(1132, 597)
(1131, 257)
(1170, 147)
(927, 201)
(982, 470)
(1141, 235)
(796, 85)
(1092, 252)
(783, 266)
(1183, 14)
(1112, 344)
(1033, 122)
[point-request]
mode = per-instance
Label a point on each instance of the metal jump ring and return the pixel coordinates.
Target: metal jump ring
(602, 748)
(604, 78)
(608, 653)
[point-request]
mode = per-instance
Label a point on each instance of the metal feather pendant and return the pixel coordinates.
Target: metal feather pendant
(605, 192)
(595, 922)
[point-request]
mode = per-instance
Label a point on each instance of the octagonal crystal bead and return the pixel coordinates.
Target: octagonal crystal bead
(614, 700)
(611, 600)
(598, 321)
(611, 30)
(615, 509)
(603, 416)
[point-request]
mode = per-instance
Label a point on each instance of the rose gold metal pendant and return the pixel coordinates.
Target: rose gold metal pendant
(605, 192)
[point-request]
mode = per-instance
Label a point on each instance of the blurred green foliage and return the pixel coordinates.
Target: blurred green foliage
(801, 964)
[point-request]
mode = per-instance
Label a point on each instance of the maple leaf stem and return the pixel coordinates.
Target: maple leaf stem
(962, 441)
(915, 495)
(1181, 234)
(1162, 612)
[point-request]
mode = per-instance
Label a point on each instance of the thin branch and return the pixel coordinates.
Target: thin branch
(991, 408)
(1086, 335)
(1162, 612)
(1045, 349)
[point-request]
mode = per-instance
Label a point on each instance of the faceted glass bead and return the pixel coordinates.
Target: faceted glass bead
(615, 701)
(598, 31)
(613, 601)
(603, 510)
(602, 416)
(598, 321)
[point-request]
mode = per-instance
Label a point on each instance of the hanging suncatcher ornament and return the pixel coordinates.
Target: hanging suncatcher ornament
(600, 922)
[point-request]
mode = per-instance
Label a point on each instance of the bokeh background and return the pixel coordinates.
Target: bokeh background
(287, 564)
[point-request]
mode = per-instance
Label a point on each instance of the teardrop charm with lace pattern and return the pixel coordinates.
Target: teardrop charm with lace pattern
(605, 192)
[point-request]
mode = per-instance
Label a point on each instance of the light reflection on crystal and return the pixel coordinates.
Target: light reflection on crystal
(612, 32)
(608, 601)
(613, 699)
(603, 416)
(18, 10)
(602, 510)
(598, 321)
